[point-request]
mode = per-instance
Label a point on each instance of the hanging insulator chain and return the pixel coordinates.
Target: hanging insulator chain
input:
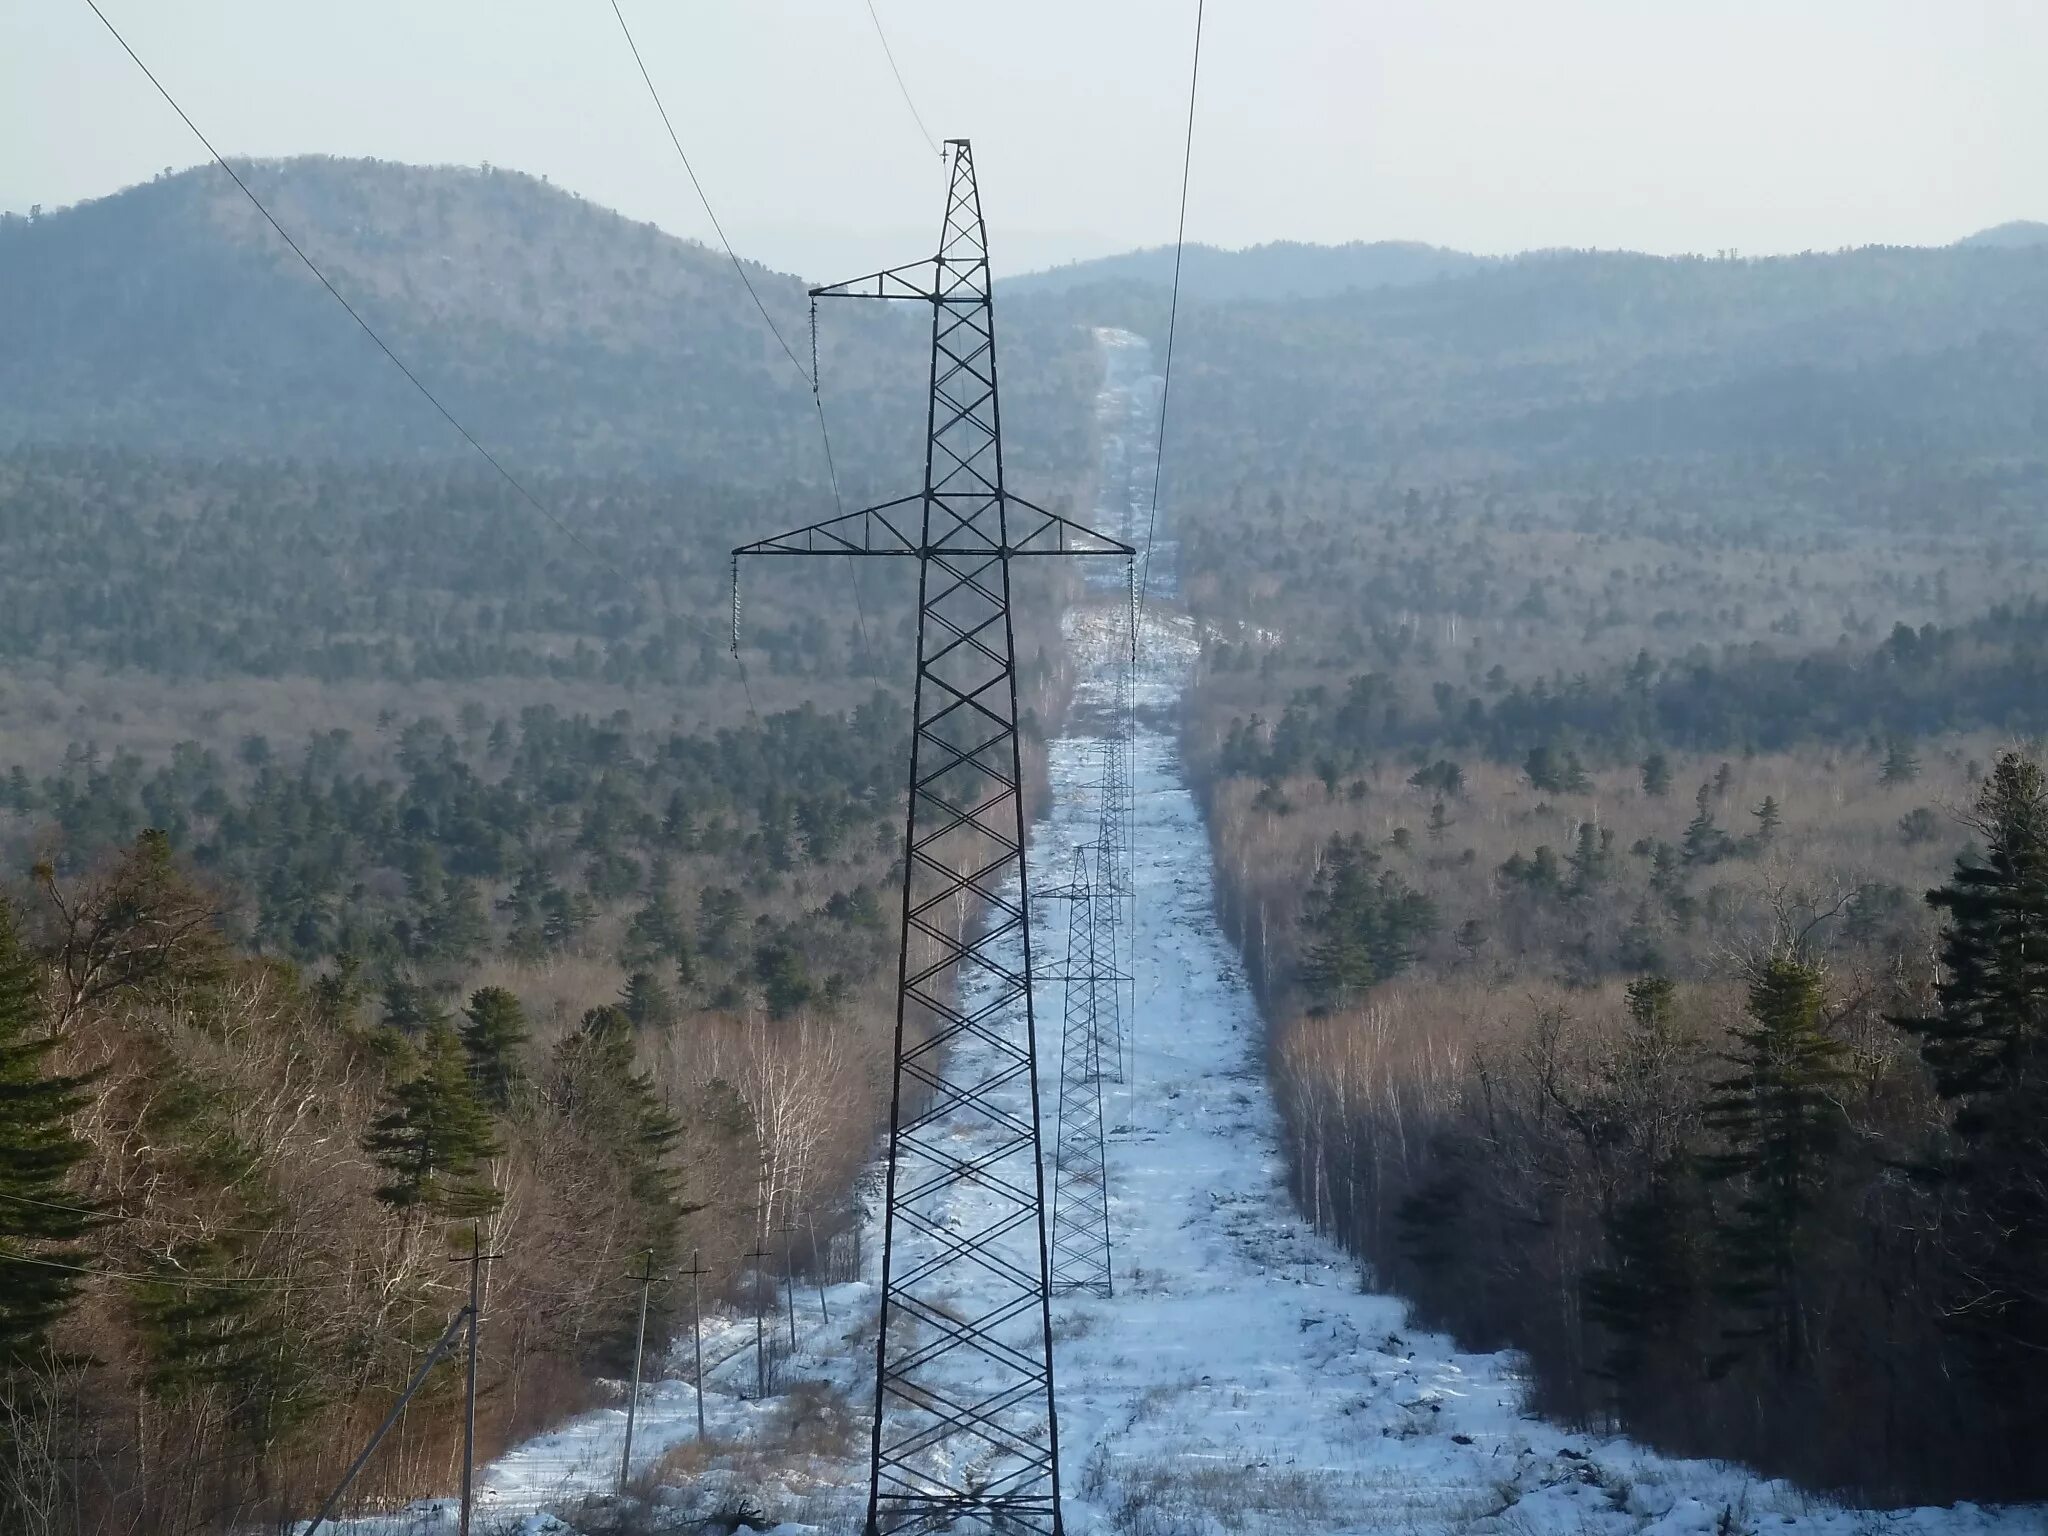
(735, 605)
(1131, 603)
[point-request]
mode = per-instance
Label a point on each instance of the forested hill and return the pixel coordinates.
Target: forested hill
(169, 318)
(1281, 269)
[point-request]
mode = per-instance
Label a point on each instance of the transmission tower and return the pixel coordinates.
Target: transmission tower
(1115, 882)
(965, 1425)
(1080, 1186)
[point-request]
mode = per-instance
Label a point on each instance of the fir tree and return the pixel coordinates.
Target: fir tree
(1653, 1289)
(40, 1217)
(436, 1139)
(618, 1108)
(411, 1008)
(1656, 775)
(1704, 842)
(1591, 860)
(1780, 1125)
(1900, 765)
(647, 1002)
(656, 932)
(1768, 819)
(1367, 924)
(494, 1034)
(1987, 1044)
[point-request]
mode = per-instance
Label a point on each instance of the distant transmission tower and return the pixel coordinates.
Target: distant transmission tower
(964, 1416)
(1080, 1187)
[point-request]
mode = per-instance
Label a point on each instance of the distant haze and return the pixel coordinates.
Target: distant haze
(1487, 125)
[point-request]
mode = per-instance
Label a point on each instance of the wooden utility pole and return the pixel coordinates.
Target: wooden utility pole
(646, 1279)
(696, 1272)
(476, 1261)
(760, 1327)
(788, 1231)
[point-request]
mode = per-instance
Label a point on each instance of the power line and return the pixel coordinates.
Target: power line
(809, 376)
(1173, 310)
(890, 54)
(709, 213)
(353, 313)
(399, 363)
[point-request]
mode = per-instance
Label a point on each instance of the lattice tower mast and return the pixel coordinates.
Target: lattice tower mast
(965, 1423)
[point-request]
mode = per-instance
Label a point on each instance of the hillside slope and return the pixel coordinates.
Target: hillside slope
(1280, 269)
(169, 318)
(1891, 354)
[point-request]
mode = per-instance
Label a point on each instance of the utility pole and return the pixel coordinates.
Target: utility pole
(818, 1264)
(760, 1256)
(788, 1231)
(696, 1272)
(646, 1279)
(433, 1358)
(476, 1261)
(964, 1116)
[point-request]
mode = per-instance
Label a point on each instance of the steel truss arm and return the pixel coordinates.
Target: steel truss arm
(896, 528)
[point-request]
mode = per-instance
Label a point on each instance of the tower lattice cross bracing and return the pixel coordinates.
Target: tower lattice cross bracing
(965, 1423)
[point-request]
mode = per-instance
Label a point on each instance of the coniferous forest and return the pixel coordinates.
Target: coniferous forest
(1642, 899)
(1619, 713)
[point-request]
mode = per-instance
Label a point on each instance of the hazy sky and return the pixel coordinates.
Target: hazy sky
(1494, 125)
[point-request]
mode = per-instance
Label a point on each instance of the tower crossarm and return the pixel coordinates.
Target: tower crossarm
(897, 528)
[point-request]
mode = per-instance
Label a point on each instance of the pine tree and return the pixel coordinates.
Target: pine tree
(40, 1217)
(1780, 1126)
(494, 1034)
(1987, 1044)
(1768, 819)
(1656, 775)
(436, 1138)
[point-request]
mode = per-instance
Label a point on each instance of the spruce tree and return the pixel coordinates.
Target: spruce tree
(1768, 819)
(619, 1110)
(436, 1139)
(1900, 765)
(1779, 1124)
(494, 1033)
(1704, 842)
(40, 1217)
(1656, 775)
(647, 1002)
(1987, 1045)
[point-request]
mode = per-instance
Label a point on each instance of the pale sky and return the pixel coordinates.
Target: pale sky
(1492, 125)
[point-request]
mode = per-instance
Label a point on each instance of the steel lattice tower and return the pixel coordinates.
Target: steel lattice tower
(1114, 876)
(1080, 1196)
(965, 1424)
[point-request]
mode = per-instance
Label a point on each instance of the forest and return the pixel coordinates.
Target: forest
(382, 868)
(1618, 718)
(1637, 868)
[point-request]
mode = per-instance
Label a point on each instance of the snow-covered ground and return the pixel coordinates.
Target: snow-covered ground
(1240, 1379)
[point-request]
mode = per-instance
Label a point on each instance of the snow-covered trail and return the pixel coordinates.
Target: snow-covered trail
(1240, 1380)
